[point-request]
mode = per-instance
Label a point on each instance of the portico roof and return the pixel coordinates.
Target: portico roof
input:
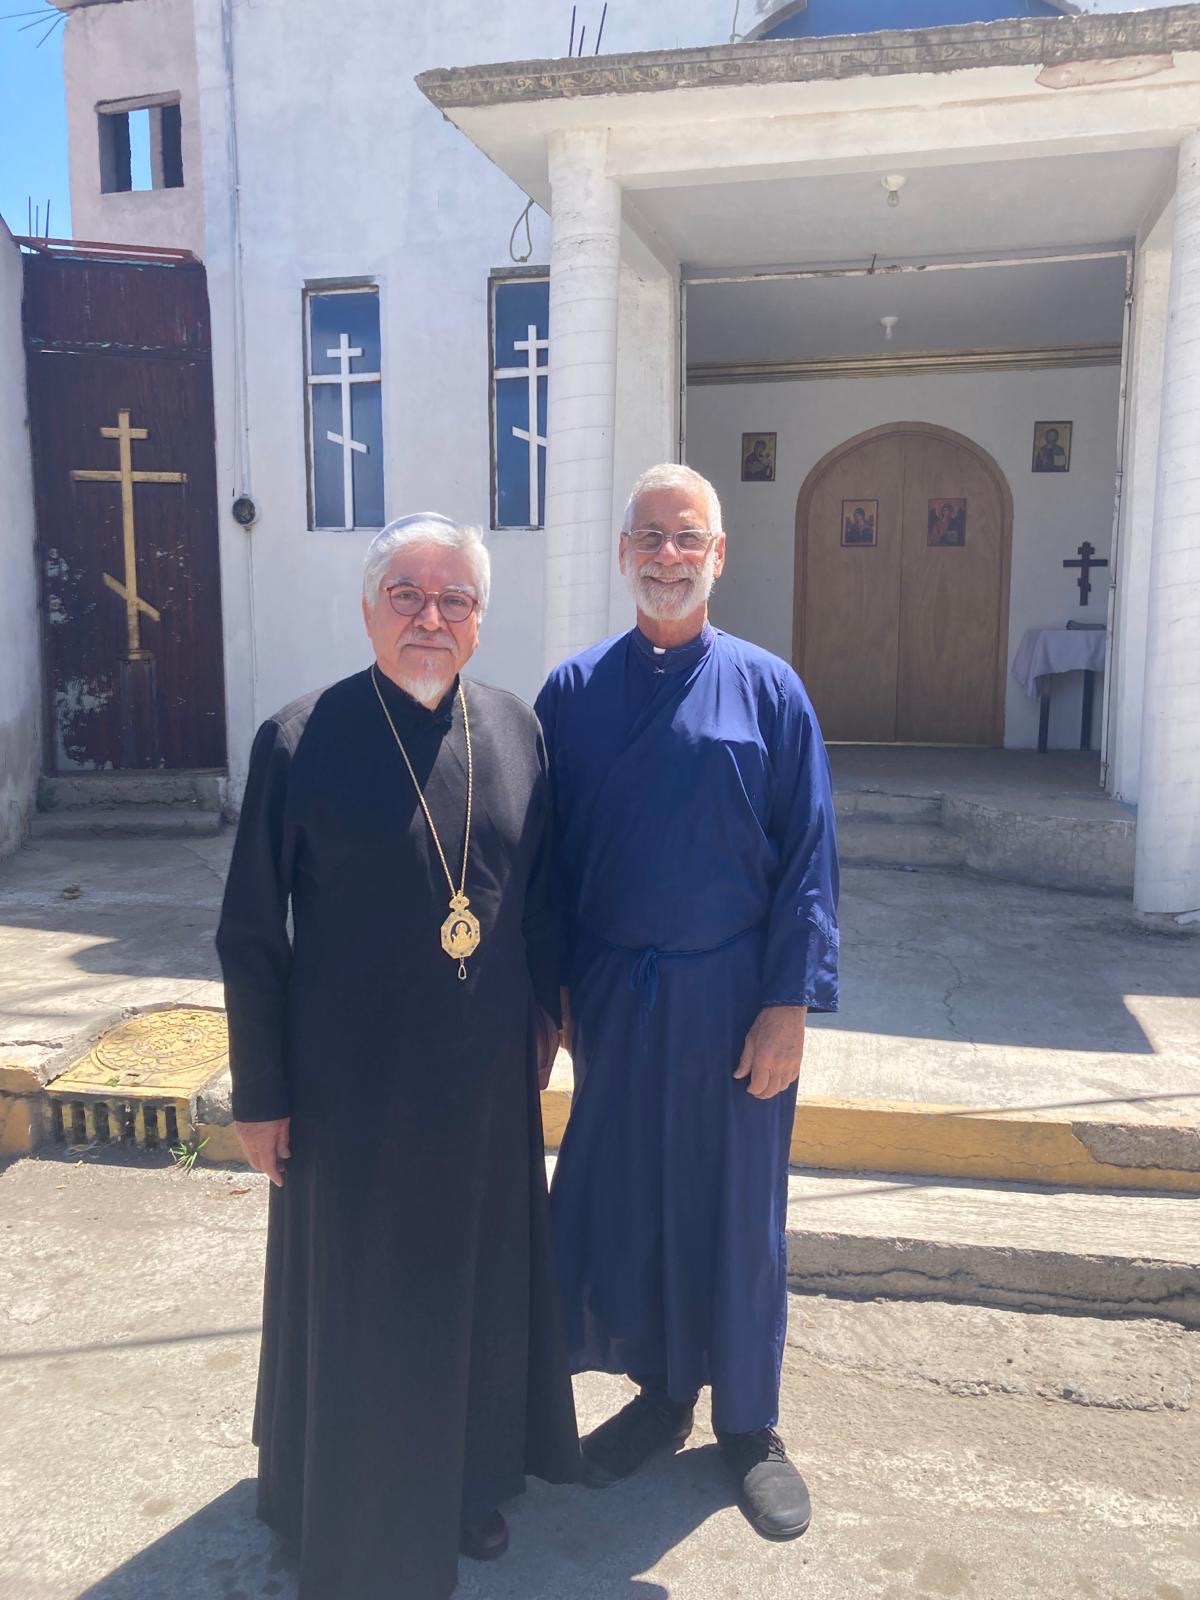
(696, 135)
(1017, 41)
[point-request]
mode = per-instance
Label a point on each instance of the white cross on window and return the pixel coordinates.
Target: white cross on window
(530, 372)
(343, 354)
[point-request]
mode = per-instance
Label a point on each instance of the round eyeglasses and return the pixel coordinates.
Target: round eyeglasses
(688, 541)
(406, 600)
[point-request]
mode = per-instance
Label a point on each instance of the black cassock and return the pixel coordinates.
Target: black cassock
(412, 1368)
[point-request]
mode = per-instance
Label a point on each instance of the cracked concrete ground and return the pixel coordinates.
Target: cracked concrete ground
(952, 1451)
(955, 990)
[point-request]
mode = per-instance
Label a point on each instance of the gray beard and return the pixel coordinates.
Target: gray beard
(668, 605)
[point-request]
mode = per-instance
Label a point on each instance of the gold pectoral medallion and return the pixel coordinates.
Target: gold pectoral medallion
(460, 933)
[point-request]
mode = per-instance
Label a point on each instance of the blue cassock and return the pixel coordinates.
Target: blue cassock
(698, 860)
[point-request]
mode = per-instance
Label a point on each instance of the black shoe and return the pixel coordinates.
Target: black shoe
(773, 1494)
(487, 1542)
(649, 1423)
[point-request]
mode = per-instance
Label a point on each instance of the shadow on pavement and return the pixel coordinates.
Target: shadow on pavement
(221, 1553)
(565, 1541)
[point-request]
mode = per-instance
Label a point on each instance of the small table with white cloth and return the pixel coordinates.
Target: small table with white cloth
(1046, 651)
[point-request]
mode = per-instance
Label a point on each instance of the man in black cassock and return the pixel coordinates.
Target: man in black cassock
(386, 1059)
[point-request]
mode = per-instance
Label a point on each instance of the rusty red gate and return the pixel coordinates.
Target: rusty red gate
(121, 414)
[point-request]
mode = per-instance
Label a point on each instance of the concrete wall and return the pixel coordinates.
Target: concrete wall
(125, 52)
(1051, 514)
(20, 643)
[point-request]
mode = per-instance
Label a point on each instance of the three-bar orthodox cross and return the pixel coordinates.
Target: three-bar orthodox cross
(532, 347)
(343, 354)
(135, 606)
(1087, 560)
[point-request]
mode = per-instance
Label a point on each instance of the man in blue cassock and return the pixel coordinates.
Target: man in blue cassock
(698, 862)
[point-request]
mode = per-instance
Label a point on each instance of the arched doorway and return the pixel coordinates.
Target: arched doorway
(903, 550)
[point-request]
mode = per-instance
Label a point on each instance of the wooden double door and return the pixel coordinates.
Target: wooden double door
(903, 538)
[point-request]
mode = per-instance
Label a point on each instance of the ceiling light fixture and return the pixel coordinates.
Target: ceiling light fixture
(893, 183)
(889, 324)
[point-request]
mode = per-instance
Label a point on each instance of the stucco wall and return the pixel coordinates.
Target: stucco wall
(126, 52)
(20, 651)
(1051, 513)
(392, 192)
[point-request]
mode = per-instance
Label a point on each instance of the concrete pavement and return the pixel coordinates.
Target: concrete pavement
(954, 990)
(1047, 1007)
(952, 1451)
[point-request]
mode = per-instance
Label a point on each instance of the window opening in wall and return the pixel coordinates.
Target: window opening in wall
(519, 360)
(141, 147)
(344, 380)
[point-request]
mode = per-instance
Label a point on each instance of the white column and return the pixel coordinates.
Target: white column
(585, 255)
(1167, 874)
(1151, 291)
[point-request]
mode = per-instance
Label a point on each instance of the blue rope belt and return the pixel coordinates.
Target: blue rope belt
(644, 975)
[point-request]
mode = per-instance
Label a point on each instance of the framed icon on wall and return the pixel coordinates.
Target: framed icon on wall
(758, 458)
(1052, 446)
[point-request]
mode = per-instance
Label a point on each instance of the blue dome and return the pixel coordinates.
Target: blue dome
(822, 18)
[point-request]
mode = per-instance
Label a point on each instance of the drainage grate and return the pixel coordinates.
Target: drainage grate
(137, 1122)
(135, 1085)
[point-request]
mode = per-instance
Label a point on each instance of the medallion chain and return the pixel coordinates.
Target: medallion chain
(460, 931)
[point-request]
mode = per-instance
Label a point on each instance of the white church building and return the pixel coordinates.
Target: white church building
(916, 283)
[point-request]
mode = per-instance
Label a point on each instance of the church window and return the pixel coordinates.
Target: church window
(520, 357)
(345, 407)
(141, 146)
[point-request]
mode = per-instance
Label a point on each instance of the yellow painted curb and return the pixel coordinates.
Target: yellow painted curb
(19, 1124)
(556, 1108)
(960, 1142)
(142, 1078)
(220, 1143)
(940, 1142)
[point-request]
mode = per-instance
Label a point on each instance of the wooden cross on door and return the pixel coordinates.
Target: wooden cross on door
(1087, 560)
(135, 606)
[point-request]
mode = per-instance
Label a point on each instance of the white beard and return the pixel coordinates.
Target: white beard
(426, 687)
(667, 603)
(426, 678)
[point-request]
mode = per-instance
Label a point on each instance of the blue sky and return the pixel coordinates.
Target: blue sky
(33, 121)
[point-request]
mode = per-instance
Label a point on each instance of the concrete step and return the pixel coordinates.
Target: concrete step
(127, 822)
(874, 842)
(1049, 846)
(1102, 1253)
(77, 791)
(878, 806)
(876, 1236)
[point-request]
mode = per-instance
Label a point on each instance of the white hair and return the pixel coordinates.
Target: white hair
(427, 527)
(671, 475)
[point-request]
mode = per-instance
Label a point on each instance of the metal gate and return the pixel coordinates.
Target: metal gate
(121, 414)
